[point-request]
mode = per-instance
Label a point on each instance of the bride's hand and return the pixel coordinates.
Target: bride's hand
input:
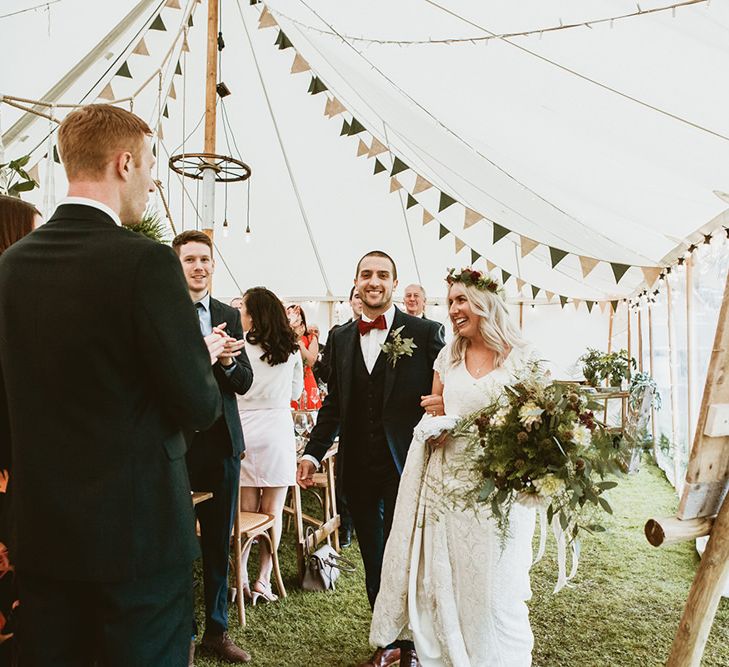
(432, 404)
(437, 440)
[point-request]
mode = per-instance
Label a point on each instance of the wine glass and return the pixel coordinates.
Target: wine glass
(301, 423)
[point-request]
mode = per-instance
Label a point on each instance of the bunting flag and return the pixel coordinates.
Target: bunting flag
(651, 274)
(178, 69)
(472, 217)
(173, 4)
(158, 24)
(377, 148)
(34, 173)
(107, 93)
(266, 20)
(556, 255)
(411, 201)
(590, 305)
(160, 133)
(165, 112)
(587, 264)
(577, 303)
(362, 148)
(443, 232)
(317, 86)
(185, 44)
(394, 185)
(527, 245)
(345, 128)
(505, 275)
(618, 270)
(550, 295)
(563, 300)
(499, 232)
(333, 107)
(141, 48)
(379, 167)
(460, 245)
(427, 217)
(355, 127)
(520, 284)
(445, 202)
(490, 265)
(282, 41)
(398, 166)
(124, 71)
(535, 291)
(189, 22)
(474, 257)
(299, 65)
(421, 185)
(172, 94)
(614, 304)
(603, 305)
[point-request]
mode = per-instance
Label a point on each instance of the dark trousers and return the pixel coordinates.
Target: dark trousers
(145, 622)
(221, 475)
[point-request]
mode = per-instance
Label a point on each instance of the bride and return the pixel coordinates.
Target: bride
(448, 581)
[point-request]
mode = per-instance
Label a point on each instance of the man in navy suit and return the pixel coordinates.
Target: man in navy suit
(214, 457)
(374, 403)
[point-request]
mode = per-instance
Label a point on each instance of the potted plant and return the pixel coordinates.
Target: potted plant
(612, 367)
(591, 366)
(14, 179)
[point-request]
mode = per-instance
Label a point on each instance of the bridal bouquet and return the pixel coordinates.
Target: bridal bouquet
(539, 444)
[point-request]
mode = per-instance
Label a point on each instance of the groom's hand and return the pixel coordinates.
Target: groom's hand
(432, 404)
(305, 474)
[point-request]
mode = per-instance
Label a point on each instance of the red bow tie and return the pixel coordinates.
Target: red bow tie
(366, 327)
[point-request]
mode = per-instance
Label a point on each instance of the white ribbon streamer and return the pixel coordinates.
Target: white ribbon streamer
(542, 513)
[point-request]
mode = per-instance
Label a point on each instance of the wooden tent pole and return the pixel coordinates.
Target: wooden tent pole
(672, 362)
(689, 347)
(521, 316)
(650, 366)
(630, 339)
(610, 329)
(640, 341)
(211, 75)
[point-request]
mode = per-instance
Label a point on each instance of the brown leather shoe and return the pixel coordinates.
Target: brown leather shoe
(224, 647)
(383, 657)
(409, 658)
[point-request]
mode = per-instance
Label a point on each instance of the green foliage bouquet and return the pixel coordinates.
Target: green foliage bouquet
(539, 444)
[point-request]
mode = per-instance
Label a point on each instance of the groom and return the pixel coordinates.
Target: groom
(374, 403)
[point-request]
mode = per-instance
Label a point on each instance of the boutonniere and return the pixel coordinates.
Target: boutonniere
(396, 346)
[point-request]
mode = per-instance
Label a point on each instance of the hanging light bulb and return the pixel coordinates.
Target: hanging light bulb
(248, 233)
(225, 228)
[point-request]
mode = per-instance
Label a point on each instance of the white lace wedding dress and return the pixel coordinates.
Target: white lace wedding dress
(446, 583)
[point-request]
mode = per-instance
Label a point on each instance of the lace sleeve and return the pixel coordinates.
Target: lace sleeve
(441, 363)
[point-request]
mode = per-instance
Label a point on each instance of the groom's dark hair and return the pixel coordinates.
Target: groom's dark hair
(377, 253)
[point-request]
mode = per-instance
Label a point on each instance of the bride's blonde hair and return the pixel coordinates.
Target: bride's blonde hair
(495, 325)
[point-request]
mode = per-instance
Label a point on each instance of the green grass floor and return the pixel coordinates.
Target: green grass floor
(622, 610)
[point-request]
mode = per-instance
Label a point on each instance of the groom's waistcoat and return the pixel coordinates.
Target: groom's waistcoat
(366, 440)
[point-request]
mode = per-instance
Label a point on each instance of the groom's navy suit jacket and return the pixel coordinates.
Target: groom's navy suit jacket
(404, 384)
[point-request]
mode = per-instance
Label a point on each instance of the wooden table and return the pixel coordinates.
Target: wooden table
(620, 395)
(200, 496)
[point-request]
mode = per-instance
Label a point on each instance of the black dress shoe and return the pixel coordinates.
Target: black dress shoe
(345, 536)
(409, 658)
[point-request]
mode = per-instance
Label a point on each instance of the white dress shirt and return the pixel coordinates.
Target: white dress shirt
(85, 201)
(371, 341)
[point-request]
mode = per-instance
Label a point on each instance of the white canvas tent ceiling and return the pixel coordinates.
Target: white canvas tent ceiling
(604, 141)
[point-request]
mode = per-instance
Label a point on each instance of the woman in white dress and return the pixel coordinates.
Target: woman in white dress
(269, 466)
(447, 579)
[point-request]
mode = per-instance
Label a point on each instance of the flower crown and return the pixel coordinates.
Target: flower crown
(477, 279)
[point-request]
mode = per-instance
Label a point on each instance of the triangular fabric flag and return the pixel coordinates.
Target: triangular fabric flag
(160, 133)
(411, 201)
(556, 255)
(185, 44)
(379, 167)
(562, 300)
(587, 264)
(356, 127)
(603, 305)
(178, 69)
(590, 305)
(421, 185)
(474, 256)
(505, 275)
(166, 112)
(490, 265)
(378, 147)
(445, 202)
(460, 245)
(535, 291)
(499, 232)
(124, 71)
(651, 274)
(319, 86)
(395, 185)
(107, 93)
(172, 94)
(154, 150)
(189, 22)
(141, 48)
(442, 232)
(361, 148)
(345, 128)
(282, 41)
(173, 4)
(472, 217)
(336, 107)
(299, 65)
(158, 24)
(614, 304)
(397, 166)
(520, 284)
(618, 270)
(550, 295)
(34, 173)
(527, 245)
(266, 20)
(427, 217)
(577, 303)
